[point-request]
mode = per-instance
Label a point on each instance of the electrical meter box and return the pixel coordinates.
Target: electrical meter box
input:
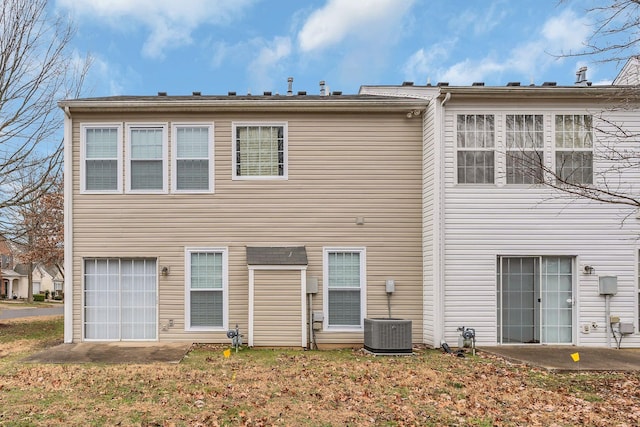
(608, 285)
(312, 285)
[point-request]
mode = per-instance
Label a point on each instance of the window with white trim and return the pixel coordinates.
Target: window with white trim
(260, 150)
(525, 148)
(101, 154)
(345, 287)
(192, 151)
(147, 158)
(475, 148)
(206, 278)
(120, 299)
(574, 148)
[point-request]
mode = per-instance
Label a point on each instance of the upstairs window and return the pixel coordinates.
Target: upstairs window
(574, 148)
(101, 158)
(525, 148)
(260, 151)
(475, 145)
(193, 159)
(147, 153)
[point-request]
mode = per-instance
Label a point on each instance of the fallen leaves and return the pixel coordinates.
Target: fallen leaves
(263, 387)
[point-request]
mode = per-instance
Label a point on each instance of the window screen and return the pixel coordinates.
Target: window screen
(192, 158)
(101, 159)
(344, 283)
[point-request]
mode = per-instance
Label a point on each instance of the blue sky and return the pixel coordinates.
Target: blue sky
(140, 47)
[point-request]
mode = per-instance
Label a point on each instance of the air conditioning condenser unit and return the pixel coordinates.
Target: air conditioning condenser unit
(387, 336)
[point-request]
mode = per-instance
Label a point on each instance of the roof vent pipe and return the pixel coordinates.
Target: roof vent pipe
(581, 77)
(323, 88)
(290, 86)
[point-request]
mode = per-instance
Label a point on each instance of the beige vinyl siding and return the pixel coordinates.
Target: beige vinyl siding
(341, 166)
(277, 315)
(487, 221)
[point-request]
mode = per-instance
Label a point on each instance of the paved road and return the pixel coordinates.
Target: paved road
(14, 313)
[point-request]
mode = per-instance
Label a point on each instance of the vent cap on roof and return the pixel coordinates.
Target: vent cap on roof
(162, 93)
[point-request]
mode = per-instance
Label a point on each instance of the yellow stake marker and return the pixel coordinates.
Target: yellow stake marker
(227, 353)
(575, 357)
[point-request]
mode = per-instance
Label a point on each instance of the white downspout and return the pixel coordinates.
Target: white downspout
(439, 200)
(68, 224)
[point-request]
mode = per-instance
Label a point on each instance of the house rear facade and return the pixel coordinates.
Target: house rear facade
(291, 216)
(187, 216)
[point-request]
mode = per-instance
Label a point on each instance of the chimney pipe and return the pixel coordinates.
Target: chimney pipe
(581, 77)
(323, 89)
(290, 86)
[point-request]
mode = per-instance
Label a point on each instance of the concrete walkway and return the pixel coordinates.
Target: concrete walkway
(558, 358)
(117, 352)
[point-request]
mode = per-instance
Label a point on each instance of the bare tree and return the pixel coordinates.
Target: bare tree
(37, 68)
(606, 137)
(616, 31)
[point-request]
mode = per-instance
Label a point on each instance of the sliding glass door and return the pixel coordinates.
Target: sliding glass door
(120, 299)
(535, 300)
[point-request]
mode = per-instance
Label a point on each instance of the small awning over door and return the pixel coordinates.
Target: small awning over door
(279, 255)
(277, 297)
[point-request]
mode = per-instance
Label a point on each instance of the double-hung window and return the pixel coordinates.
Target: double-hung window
(206, 271)
(101, 152)
(192, 158)
(260, 150)
(475, 148)
(147, 158)
(574, 148)
(345, 287)
(525, 148)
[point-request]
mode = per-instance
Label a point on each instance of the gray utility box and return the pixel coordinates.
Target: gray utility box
(387, 336)
(626, 328)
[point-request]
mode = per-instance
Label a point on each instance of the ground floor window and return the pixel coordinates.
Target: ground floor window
(120, 299)
(535, 300)
(206, 288)
(344, 290)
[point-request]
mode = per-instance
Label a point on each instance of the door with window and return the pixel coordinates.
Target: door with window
(535, 300)
(120, 299)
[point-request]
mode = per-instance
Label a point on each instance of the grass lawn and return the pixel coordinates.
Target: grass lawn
(297, 388)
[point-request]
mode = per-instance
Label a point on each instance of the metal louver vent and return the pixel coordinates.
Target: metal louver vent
(387, 336)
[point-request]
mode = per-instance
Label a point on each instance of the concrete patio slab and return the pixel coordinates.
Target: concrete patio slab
(112, 353)
(558, 358)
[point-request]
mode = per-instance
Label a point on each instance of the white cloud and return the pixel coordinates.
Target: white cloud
(481, 23)
(566, 32)
(169, 22)
(340, 19)
(270, 58)
(562, 33)
(421, 63)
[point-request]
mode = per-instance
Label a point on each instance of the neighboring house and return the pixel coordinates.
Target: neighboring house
(14, 276)
(518, 261)
(630, 73)
(187, 215)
